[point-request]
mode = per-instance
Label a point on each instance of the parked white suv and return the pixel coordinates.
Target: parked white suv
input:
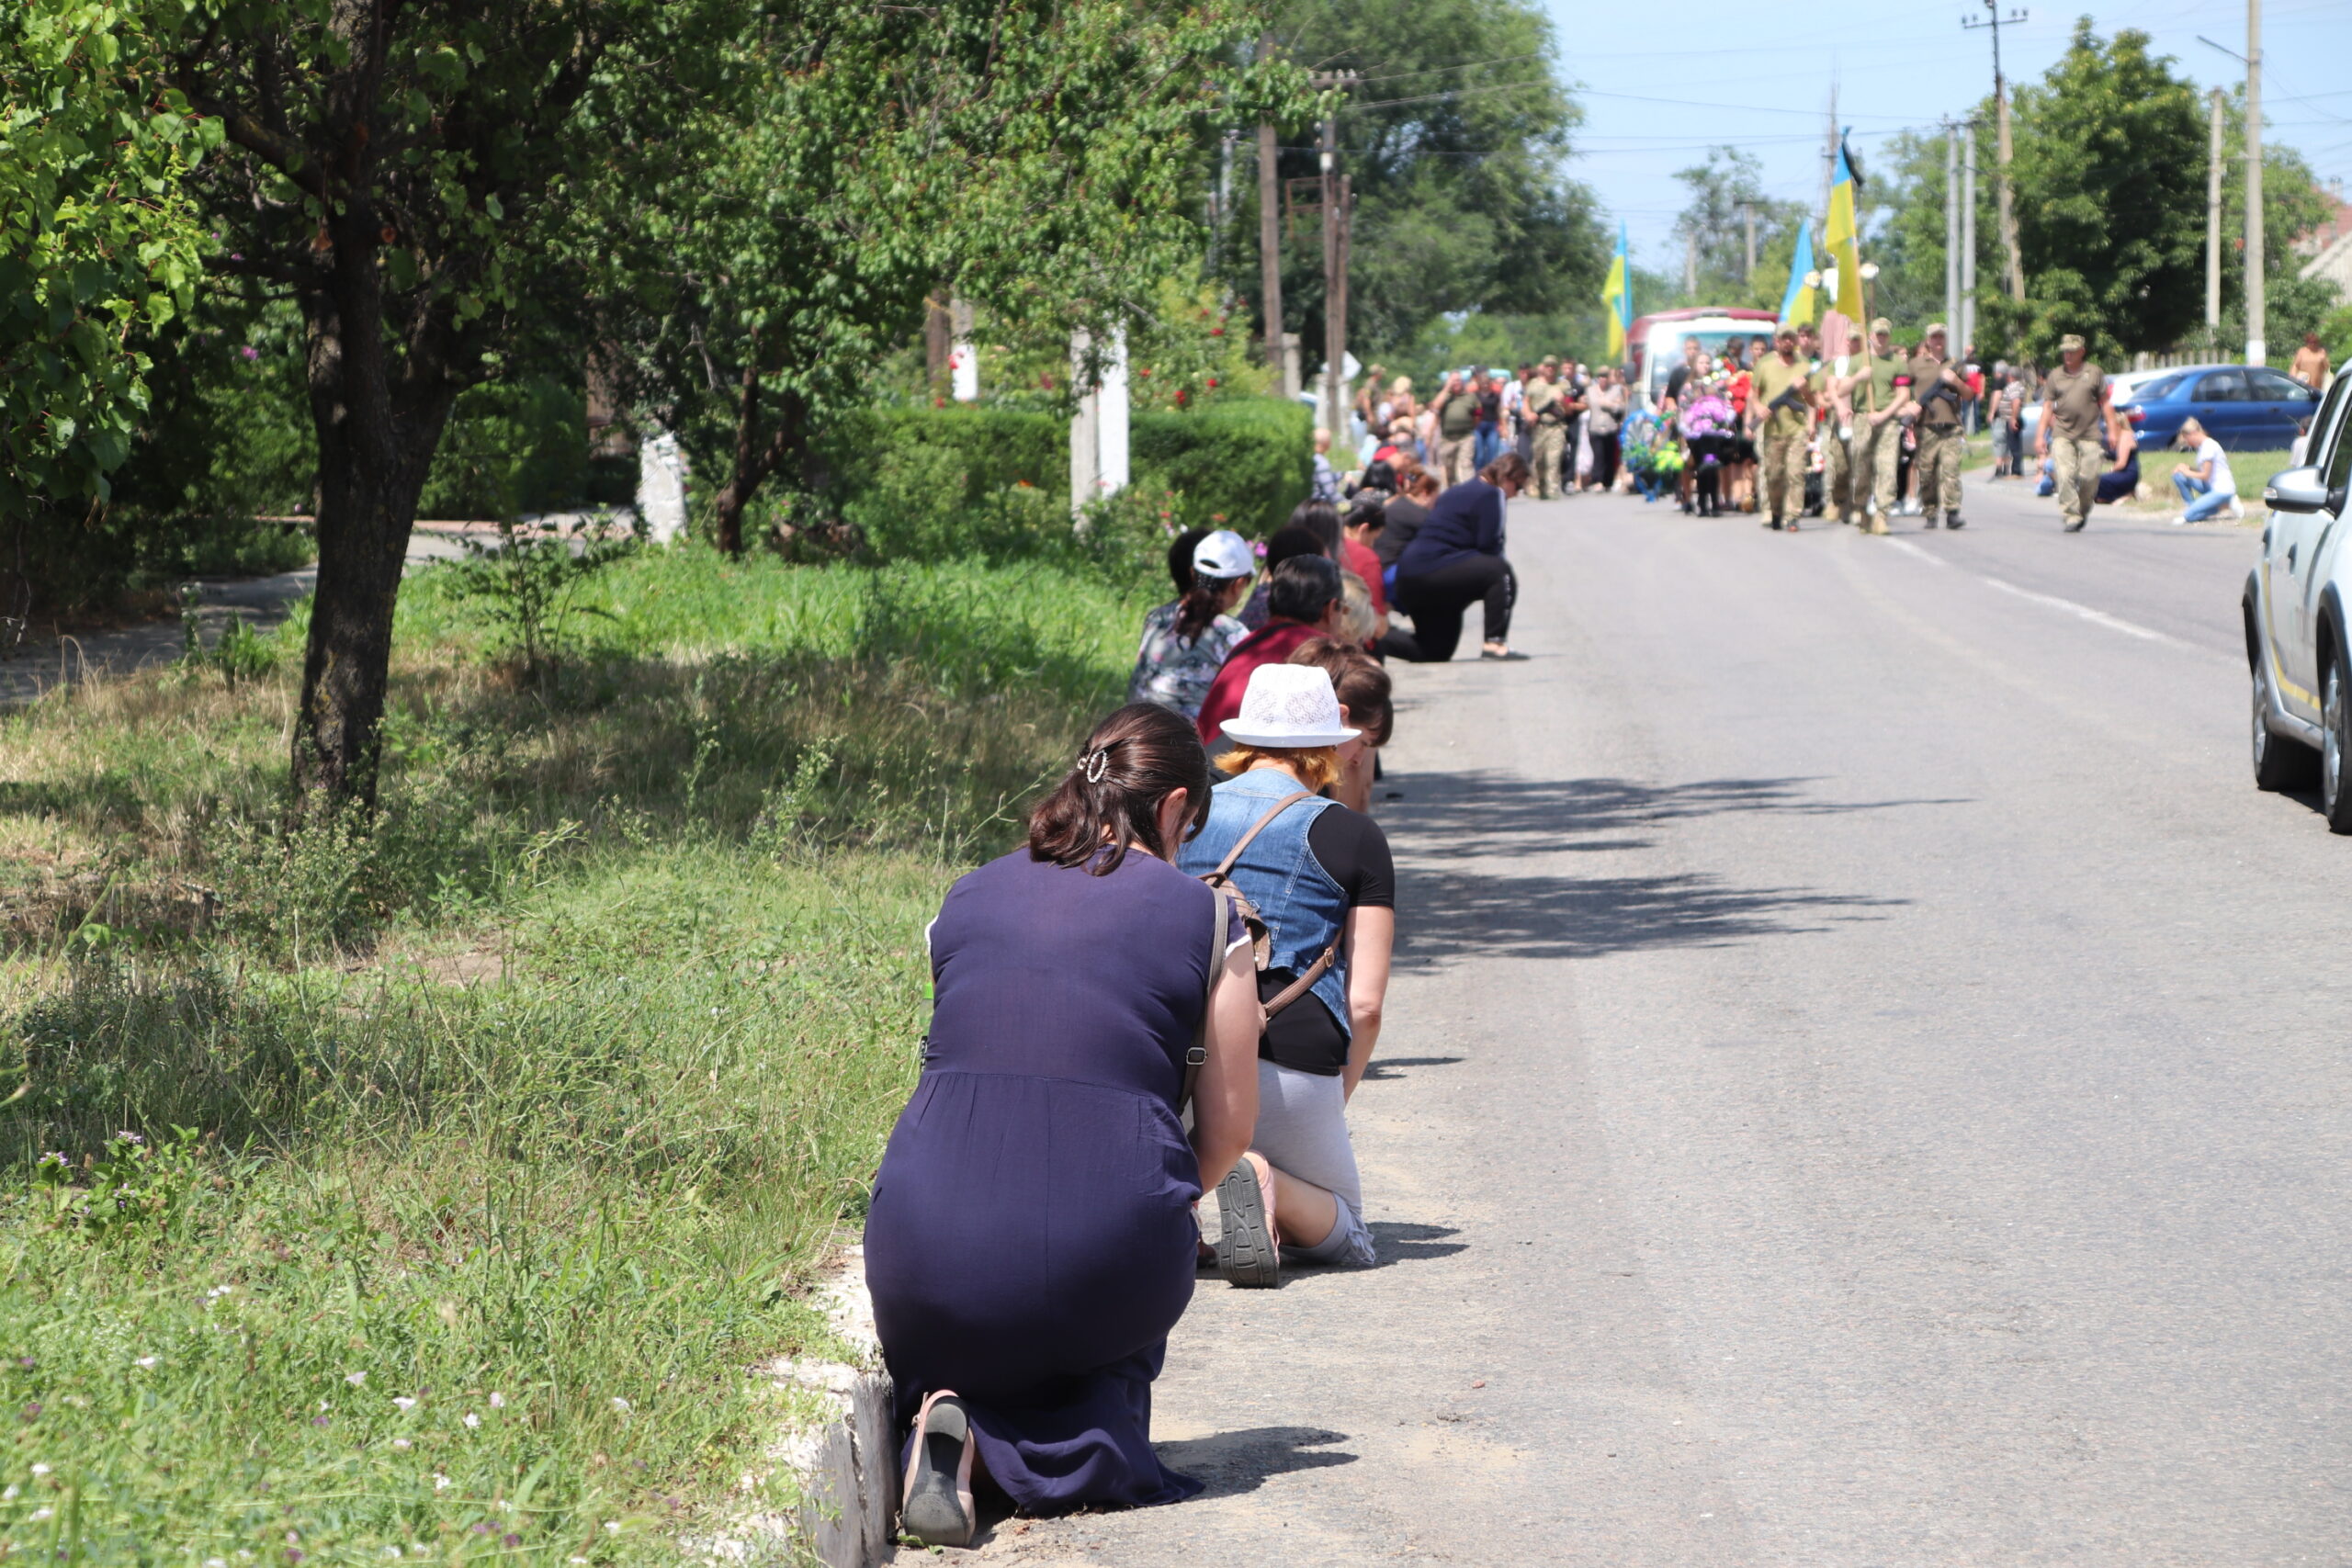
(2296, 601)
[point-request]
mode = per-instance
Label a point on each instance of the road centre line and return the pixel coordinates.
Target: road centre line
(2081, 611)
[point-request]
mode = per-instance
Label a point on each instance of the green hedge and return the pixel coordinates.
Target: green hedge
(925, 483)
(521, 447)
(1250, 462)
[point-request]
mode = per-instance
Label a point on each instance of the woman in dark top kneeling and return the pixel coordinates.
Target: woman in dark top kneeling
(1320, 878)
(1032, 1237)
(1456, 561)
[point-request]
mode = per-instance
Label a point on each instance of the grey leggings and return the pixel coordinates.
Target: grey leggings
(1303, 1131)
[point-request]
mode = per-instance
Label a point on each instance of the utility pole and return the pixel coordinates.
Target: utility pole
(1339, 306)
(2213, 230)
(1336, 192)
(1334, 345)
(1952, 230)
(2254, 347)
(1829, 164)
(1966, 325)
(1996, 20)
(1270, 229)
(1221, 198)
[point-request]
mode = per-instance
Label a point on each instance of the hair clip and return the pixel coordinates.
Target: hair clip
(1097, 763)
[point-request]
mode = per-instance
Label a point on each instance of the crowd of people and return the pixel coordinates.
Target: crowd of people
(1560, 417)
(1172, 991)
(1175, 987)
(1769, 424)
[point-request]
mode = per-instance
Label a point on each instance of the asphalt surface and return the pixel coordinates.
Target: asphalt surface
(1865, 1085)
(43, 663)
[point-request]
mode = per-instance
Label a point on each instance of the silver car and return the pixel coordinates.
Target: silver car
(2295, 605)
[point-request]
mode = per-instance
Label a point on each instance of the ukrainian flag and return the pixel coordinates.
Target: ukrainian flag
(1842, 237)
(1618, 295)
(1796, 305)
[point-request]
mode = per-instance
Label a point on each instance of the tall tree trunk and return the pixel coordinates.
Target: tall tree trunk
(376, 444)
(749, 469)
(938, 346)
(756, 459)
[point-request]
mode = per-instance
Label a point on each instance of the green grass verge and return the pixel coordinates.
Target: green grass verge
(2251, 470)
(518, 1120)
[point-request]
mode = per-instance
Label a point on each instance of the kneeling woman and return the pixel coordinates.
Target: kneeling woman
(1320, 877)
(1032, 1238)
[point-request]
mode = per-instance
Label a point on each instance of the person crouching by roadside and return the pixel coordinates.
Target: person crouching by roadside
(2206, 487)
(1366, 704)
(1327, 478)
(1304, 599)
(1185, 643)
(1032, 1238)
(1291, 539)
(1320, 877)
(2122, 445)
(1456, 561)
(1417, 491)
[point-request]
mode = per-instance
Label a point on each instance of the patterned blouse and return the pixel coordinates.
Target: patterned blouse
(1174, 673)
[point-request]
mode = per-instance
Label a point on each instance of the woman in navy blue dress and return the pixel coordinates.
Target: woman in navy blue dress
(1031, 1238)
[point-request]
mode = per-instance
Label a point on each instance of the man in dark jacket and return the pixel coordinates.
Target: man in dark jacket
(1456, 559)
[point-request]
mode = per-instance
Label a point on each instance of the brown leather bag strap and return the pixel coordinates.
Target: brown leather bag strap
(1196, 1055)
(1304, 983)
(1225, 866)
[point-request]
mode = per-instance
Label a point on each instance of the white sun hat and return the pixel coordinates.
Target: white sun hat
(1289, 707)
(1224, 554)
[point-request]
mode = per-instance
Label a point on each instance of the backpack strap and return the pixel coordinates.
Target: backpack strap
(1225, 866)
(1316, 970)
(1196, 1054)
(1304, 983)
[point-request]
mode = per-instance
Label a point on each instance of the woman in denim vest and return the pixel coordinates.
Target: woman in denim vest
(1320, 877)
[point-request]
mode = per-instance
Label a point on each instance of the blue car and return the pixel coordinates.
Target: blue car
(2246, 407)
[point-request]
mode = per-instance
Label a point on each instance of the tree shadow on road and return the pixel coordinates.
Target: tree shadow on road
(1460, 816)
(1230, 1464)
(1458, 911)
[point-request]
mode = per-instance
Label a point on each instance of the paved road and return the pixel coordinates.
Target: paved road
(1866, 1086)
(43, 663)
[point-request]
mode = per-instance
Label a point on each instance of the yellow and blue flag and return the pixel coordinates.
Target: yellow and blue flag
(1796, 306)
(1618, 295)
(1844, 238)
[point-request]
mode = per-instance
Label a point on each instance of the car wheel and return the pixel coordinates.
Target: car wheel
(2334, 800)
(2279, 763)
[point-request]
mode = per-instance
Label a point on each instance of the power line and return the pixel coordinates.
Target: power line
(1713, 104)
(1440, 70)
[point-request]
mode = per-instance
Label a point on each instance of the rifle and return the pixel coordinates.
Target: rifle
(1791, 397)
(1942, 388)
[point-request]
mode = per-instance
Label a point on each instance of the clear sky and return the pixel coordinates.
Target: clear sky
(1757, 73)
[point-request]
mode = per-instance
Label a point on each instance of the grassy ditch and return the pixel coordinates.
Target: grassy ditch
(2251, 470)
(479, 1150)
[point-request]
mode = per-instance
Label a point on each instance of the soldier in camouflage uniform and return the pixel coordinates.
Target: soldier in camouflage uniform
(1880, 391)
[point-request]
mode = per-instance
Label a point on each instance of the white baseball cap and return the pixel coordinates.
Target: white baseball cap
(1224, 554)
(1289, 707)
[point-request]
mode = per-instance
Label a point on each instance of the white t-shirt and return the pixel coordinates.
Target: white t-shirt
(2224, 482)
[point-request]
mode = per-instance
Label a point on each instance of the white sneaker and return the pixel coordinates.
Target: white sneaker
(2179, 518)
(2237, 509)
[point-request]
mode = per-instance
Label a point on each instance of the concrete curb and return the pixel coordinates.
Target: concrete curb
(844, 1458)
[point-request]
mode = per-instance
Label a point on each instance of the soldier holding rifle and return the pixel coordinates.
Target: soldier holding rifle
(1780, 405)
